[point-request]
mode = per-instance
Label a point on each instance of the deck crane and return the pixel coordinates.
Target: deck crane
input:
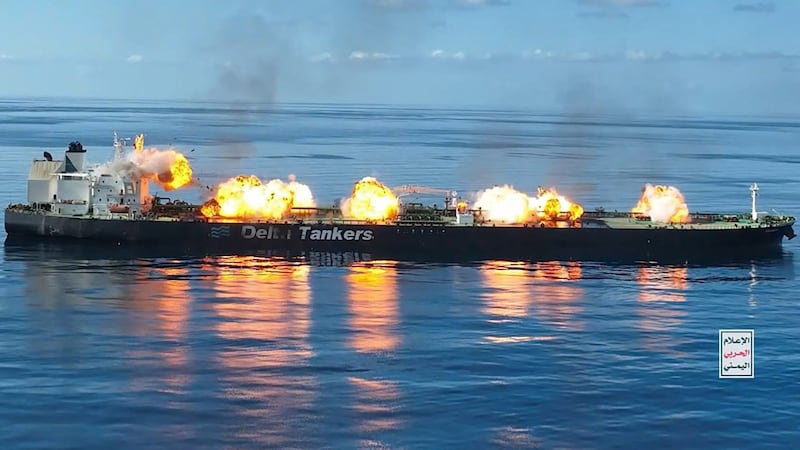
(450, 197)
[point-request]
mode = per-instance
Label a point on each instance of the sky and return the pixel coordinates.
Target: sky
(735, 56)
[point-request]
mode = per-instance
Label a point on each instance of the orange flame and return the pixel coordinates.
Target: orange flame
(371, 200)
(505, 204)
(662, 204)
(178, 175)
(550, 205)
(138, 143)
(169, 168)
(246, 197)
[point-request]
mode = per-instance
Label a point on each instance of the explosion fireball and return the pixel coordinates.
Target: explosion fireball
(370, 200)
(504, 204)
(662, 204)
(550, 205)
(247, 197)
(169, 168)
(178, 175)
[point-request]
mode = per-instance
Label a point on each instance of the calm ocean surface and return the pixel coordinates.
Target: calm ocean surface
(249, 352)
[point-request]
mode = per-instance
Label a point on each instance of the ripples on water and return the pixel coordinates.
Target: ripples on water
(98, 350)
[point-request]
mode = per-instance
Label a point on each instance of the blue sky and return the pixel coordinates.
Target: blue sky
(705, 55)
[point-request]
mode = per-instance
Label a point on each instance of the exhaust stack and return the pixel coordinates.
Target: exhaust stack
(75, 158)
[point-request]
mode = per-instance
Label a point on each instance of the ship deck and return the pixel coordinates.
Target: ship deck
(633, 223)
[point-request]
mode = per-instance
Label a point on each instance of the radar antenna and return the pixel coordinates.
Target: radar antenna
(754, 194)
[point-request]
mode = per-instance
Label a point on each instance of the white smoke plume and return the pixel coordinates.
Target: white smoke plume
(504, 204)
(303, 198)
(662, 204)
(146, 163)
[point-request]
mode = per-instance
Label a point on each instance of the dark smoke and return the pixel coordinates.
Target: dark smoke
(581, 141)
(608, 119)
(256, 84)
(259, 64)
(613, 122)
(254, 54)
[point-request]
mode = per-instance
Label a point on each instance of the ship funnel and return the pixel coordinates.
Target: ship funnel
(754, 194)
(75, 158)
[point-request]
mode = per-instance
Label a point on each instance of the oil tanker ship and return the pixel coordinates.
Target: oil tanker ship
(110, 204)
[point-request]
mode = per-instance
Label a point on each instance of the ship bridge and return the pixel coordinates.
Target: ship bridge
(68, 187)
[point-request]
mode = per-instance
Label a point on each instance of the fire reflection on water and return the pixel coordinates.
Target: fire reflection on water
(557, 293)
(661, 289)
(173, 312)
(373, 307)
(547, 288)
(372, 300)
(508, 295)
(163, 293)
(264, 306)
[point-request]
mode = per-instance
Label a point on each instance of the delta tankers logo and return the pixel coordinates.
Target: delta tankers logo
(334, 234)
(307, 233)
(220, 232)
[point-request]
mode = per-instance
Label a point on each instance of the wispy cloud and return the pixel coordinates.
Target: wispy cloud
(133, 59)
(537, 54)
(5, 57)
(665, 56)
(760, 7)
(643, 56)
(441, 54)
(542, 55)
(354, 56)
(370, 56)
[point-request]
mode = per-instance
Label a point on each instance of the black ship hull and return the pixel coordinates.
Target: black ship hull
(424, 241)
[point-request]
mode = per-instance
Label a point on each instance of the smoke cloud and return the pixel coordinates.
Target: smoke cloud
(161, 165)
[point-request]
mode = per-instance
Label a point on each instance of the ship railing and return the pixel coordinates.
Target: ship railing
(707, 226)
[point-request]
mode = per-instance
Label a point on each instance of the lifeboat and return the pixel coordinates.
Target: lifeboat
(119, 208)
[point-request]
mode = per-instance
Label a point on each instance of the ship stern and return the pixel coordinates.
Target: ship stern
(20, 223)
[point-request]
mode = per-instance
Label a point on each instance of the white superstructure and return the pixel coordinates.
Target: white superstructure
(68, 187)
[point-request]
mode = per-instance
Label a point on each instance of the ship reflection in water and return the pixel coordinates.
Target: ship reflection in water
(546, 290)
(263, 308)
(373, 297)
(155, 301)
(660, 307)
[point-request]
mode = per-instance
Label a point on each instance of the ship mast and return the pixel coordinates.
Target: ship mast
(754, 194)
(119, 147)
